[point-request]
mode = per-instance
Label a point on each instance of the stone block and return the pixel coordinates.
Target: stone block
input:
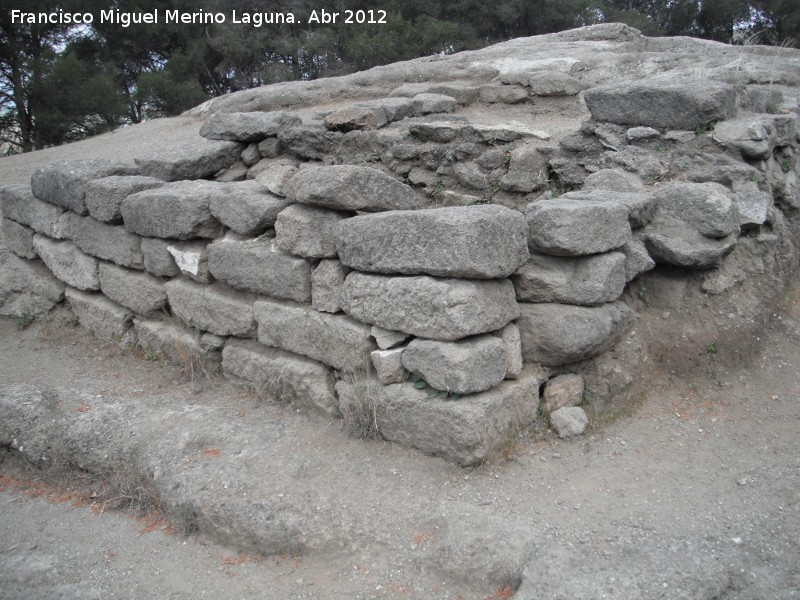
(553, 83)
(513, 343)
(641, 206)
(562, 390)
(68, 263)
(463, 367)
(637, 259)
(349, 187)
(104, 196)
(584, 280)
(157, 258)
(177, 344)
(705, 207)
(99, 315)
(388, 365)
(440, 309)
(64, 183)
(425, 104)
(356, 117)
(569, 421)
(236, 172)
(270, 148)
(559, 334)
(464, 93)
(109, 242)
(191, 259)
(198, 160)
(386, 338)
(276, 177)
(498, 93)
(140, 292)
(309, 142)
(336, 340)
(576, 227)
(247, 126)
(250, 156)
(483, 242)
(395, 109)
(671, 241)
(246, 207)
(613, 180)
(26, 286)
(18, 238)
(286, 377)
(214, 308)
(527, 170)
(308, 231)
(327, 286)
(178, 210)
(258, 266)
(751, 204)
(19, 204)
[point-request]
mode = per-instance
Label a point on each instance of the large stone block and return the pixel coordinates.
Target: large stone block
(26, 286)
(349, 187)
(18, 238)
(388, 365)
(200, 159)
(483, 242)
(584, 280)
(179, 210)
(246, 207)
(527, 170)
(311, 142)
(614, 180)
(286, 377)
(576, 227)
(64, 183)
(440, 309)
(663, 103)
(356, 118)
(671, 241)
(558, 334)
(308, 230)
(463, 367)
(140, 292)
(641, 206)
(395, 109)
(637, 259)
(99, 315)
(157, 258)
(465, 431)
(705, 207)
(19, 204)
(68, 263)
(104, 196)
(336, 340)
(214, 308)
(109, 242)
(327, 286)
(553, 83)
(177, 344)
(247, 126)
(258, 266)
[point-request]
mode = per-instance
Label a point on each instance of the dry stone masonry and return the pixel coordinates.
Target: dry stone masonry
(398, 258)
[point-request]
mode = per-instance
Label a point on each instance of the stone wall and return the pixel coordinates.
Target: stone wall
(395, 262)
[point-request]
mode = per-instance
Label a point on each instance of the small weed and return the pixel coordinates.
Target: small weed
(684, 164)
(587, 395)
(711, 348)
(478, 201)
(24, 319)
(70, 320)
(421, 384)
(150, 355)
(786, 165)
(659, 147)
(700, 129)
(436, 190)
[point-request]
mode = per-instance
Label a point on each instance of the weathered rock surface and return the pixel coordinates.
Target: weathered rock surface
(327, 286)
(26, 286)
(348, 187)
(705, 207)
(585, 280)
(637, 259)
(177, 344)
(569, 421)
(576, 227)
(558, 334)
(64, 184)
(553, 83)
(513, 343)
(18, 238)
(483, 242)
(754, 136)
(258, 266)
(140, 292)
(336, 340)
(214, 308)
(19, 204)
(663, 103)
(751, 204)
(308, 231)
(247, 126)
(425, 104)
(68, 263)
(311, 142)
(463, 367)
(498, 93)
(275, 177)
(388, 365)
(191, 259)
(157, 258)
(386, 339)
(466, 431)
(641, 205)
(98, 314)
(527, 170)
(104, 196)
(109, 242)
(561, 391)
(282, 375)
(246, 207)
(394, 109)
(178, 210)
(356, 117)
(672, 241)
(464, 93)
(197, 160)
(440, 309)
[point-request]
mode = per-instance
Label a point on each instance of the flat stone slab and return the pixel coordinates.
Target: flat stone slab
(245, 207)
(641, 206)
(466, 431)
(26, 286)
(463, 367)
(349, 187)
(64, 183)
(483, 242)
(178, 210)
(109, 242)
(464, 93)
(585, 280)
(282, 375)
(394, 109)
(671, 241)
(663, 103)
(104, 196)
(68, 263)
(336, 340)
(559, 334)
(576, 227)
(258, 266)
(213, 308)
(18, 203)
(19, 239)
(308, 231)
(247, 126)
(140, 292)
(99, 315)
(177, 344)
(440, 309)
(705, 207)
(197, 160)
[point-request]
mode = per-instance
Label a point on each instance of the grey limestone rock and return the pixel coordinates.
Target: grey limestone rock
(482, 242)
(140, 292)
(569, 421)
(310, 141)
(754, 136)
(441, 309)
(203, 158)
(705, 207)
(250, 156)
(553, 83)
(176, 343)
(270, 148)
(109, 242)
(18, 203)
(26, 286)
(511, 338)
(464, 93)
(466, 366)
(64, 183)
(327, 286)
(386, 339)
(498, 93)
(275, 177)
(245, 207)
(18, 238)
(615, 180)
(562, 390)
(637, 259)
(527, 170)
(308, 231)
(236, 172)
(356, 117)
(559, 334)
(388, 365)
(99, 315)
(68, 263)
(751, 204)
(191, 258)
(214, 308)
(247, 126)
(641, 134)
(104, 196)
(670, 240)
(471, 175)
(425, 104)
(641, 205)
(157, 258)
(394, 109)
